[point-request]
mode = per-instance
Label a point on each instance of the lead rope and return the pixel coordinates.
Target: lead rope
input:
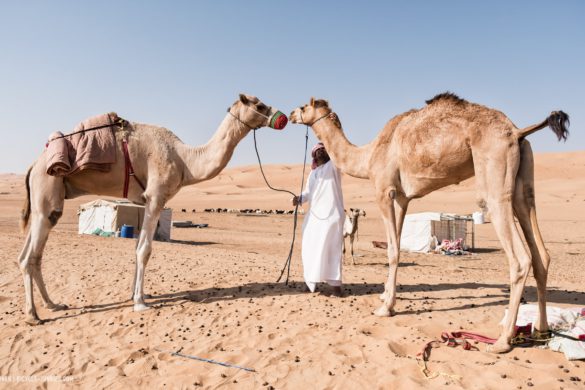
(295, 218)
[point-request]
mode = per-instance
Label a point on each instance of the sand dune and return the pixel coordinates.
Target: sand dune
(215, 296)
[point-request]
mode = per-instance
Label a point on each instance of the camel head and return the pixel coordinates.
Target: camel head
(312, 112)
(251, 112)
(357, 212)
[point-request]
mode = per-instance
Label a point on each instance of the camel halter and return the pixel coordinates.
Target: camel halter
(312, 124)
(277, 121)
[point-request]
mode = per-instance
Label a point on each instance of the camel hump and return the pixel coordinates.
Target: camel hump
(117, 119)
(447, 97)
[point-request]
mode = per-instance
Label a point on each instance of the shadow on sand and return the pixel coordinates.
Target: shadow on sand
(260, 290)
(188, 242)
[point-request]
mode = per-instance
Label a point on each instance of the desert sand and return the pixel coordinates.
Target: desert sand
(215, 296)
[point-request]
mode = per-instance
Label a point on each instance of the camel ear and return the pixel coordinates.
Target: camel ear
(312, 102)
(321, 103)
(243, 98)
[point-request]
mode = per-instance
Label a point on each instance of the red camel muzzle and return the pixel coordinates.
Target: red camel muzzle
(278, 121)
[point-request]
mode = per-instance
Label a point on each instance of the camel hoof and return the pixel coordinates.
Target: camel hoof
(383, 311)
(57, 307)
(141, 307)
(499, 347)
(33, 321)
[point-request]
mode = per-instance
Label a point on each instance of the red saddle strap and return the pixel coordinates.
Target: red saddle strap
(129, 170)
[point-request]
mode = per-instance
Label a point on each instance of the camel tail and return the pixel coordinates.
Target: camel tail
(25, 213)
(558, 121)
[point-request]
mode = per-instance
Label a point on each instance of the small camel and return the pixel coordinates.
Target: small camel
(161, 161)
(443, 143)
(350, 228)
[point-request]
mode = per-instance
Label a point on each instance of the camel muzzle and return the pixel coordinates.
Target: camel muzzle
(278, 121)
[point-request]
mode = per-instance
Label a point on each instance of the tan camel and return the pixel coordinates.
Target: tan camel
(161, 161)
(350, 229)
(447, 141)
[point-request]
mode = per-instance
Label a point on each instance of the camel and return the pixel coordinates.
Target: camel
(350, 228)
(161, 161)
(443, 143)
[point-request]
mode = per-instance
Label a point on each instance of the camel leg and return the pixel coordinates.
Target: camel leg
(134, 278)
(146, 296)
(30, 266)
(47, 197)
(38, 278)
(152, 212)
(401, 206)
(386, 205)
(525, 210)
(351, 238)
(25, 261)
(519, 262)
(498, 194)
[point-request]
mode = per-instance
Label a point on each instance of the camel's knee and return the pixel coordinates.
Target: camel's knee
(27, 265)
(54, 217)
(540, 263)
(143, 253)
(393, 256)
(519, 272)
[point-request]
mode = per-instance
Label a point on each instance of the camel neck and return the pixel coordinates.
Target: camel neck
(354, 224)
(207, 161)
(350, 159)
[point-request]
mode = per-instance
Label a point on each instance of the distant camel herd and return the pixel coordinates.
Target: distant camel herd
(249, 211)
(416, 153)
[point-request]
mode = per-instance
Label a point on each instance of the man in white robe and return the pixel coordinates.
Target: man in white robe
(323, 225)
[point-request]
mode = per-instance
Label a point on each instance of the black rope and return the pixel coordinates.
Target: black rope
(120, 123)
(295, 218)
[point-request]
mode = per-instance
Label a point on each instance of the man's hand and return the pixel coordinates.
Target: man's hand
(295, 200)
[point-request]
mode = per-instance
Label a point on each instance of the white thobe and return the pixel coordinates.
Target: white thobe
(323, 227)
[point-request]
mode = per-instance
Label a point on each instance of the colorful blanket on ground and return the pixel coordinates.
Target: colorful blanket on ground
(80, 150)
(451, 248)
(568, 326)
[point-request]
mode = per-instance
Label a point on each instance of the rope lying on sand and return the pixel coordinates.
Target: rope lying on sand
(207, 360)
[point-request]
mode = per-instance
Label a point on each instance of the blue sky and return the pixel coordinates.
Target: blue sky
(180, 64)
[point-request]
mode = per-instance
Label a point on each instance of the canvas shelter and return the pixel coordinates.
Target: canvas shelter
(111, 215)
(422, 231)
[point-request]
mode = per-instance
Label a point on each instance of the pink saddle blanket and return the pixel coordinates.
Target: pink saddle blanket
(80, 150)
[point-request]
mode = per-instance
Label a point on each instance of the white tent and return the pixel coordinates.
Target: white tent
(110, 215)
(421, 232)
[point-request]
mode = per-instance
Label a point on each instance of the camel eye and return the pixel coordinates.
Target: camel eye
(262, 106)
